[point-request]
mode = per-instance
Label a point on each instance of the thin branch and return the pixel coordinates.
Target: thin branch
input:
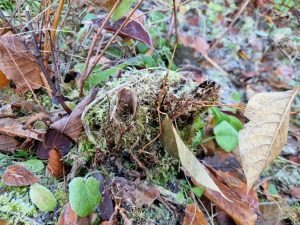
(41, 64)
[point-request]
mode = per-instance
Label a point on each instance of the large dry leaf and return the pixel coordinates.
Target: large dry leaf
(7, 143)
(17, 175)
(72, 125)
(194, 216)
(12, 127)
(264, 136)
(18, 64)
(173, 144)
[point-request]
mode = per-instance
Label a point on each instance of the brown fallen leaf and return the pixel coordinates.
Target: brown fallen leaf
(17, 175)
(13, 128)
(295, 191)
(3, 222)
(137, 194)
(67, 216)
(8, 144)
(194, 216)
(18, 64)
(133, 30)
(227, 169)
(55, 165)
(72, 125)
(195, 42)
(106, 4)
(4, 82)
(263, 137)
(238, 209)
(105, 207)
(54, 139)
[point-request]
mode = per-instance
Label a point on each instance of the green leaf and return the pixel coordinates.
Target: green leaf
(198, 191)
(180, 197)
(42, 197)
(226, 136)
(232, 120)
(197, 139)
(122, 9)
(84, 195)
(272, 189)
(34, 165)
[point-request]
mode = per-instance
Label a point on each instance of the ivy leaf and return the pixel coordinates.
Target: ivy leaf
(232, 120)
(122, 9)
(226, 136)
(42, 197)
(84, 195)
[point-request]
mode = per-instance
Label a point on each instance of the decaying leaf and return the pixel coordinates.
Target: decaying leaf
(18, 64)
(13, 128)
(173, 144)
(6, 111)
(67, 216)
(226, 171)
(106, 207)
(194, 216)
(136, 194)
(133, 30)
(72, 125)
(17, 175)
(264, 136)
(55, 165)
(54, 139)
(4, 82)
(7, 143)
(195, 42)
(238, 210)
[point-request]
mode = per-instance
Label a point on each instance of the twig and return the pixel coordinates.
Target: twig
(96, 37)
(236, 17)
(83, 78)
(41, 64)
(54, 26)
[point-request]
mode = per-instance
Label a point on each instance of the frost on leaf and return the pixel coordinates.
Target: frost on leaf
(264, 136)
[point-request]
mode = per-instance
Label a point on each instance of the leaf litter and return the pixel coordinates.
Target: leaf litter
(114, 133)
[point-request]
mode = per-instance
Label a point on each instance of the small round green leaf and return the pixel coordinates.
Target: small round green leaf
(84, 195)
(42, 197)
(226, 136)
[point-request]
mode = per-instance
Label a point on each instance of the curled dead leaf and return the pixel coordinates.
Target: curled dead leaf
(126, 105)
(263, 137)
(55, 165)
(17, 175)
(54, 139)
(72, 125)
(18, 64)
(194, 216)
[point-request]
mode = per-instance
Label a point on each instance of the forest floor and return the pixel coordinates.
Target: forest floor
(150, 112)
